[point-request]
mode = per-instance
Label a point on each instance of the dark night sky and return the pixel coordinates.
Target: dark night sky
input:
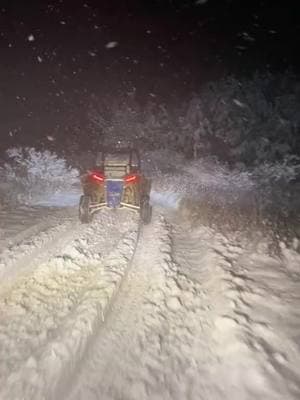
(54, 54)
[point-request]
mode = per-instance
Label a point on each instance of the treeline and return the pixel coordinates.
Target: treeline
(248, 121)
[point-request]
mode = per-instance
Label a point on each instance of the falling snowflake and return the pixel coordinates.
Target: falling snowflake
(30, 38)
(111, 45)
(239, 103)
(50, 138)
(39, 59)
(247, 37)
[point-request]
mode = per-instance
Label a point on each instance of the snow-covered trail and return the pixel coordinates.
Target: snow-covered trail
(253, 318)
(24, 223)
(48, 315)
(187, 314)
(191, 322)
(30, 235)
(145, 348)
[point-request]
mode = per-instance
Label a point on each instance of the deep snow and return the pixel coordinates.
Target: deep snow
(48, 316)
(177, 310)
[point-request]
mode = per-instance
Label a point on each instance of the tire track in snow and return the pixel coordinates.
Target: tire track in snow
(21, 223)
(190, 320)
(152, 345)
(47, 318)
(252, 319)
(33, 240)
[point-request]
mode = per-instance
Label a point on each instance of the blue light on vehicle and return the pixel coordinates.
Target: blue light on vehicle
(114, 191)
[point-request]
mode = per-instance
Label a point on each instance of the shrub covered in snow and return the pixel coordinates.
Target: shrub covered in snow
(207, 191)
(278, 189)
(29, 174)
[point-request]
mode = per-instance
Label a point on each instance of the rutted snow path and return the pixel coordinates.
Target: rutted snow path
(189, 314)
(187, 324)
(157, 342)
(30, 236)
(146, 348)
(47, 316)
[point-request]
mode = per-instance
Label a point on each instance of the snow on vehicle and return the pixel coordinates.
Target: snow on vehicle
(115, 182)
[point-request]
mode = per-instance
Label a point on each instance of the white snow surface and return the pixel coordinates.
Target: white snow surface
(187, 314)
(171, 310)
(49, 314)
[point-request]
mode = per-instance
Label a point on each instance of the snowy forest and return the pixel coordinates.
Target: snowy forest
(247, 121)
(248, 125)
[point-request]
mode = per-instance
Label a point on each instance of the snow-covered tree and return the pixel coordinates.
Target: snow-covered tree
(250, 120)
(29, 173)
(114, 119)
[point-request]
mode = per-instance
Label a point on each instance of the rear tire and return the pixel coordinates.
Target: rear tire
(85, 214)
(146, 212)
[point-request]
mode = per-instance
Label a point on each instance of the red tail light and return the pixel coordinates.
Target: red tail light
(131, 178)
(96, 176)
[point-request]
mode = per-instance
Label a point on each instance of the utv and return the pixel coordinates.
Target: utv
(115, 182)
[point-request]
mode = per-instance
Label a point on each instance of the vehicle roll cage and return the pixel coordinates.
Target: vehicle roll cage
(134, 157)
